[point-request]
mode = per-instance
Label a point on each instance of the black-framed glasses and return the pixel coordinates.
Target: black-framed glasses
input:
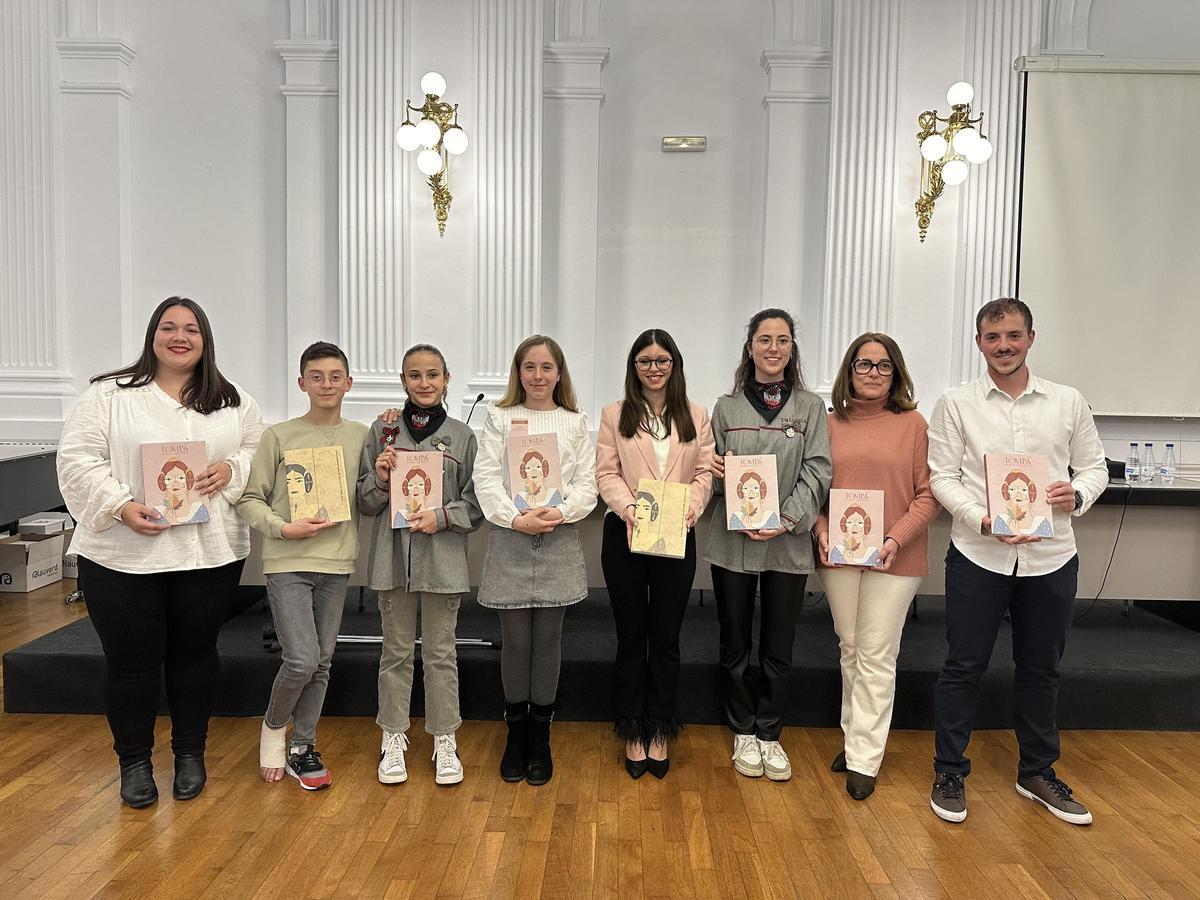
(863, 366)
(662, 363)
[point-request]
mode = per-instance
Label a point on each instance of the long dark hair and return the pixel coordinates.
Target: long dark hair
(207, 390)
(744, 373)
(635, 411)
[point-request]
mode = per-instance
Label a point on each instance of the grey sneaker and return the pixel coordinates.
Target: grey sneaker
(747, 758)
(1054, 794)
(949, 797)
(776, 765)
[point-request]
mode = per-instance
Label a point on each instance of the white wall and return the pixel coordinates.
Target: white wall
(679, 236)
(680, 233)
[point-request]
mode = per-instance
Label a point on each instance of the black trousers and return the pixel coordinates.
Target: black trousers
(649, 596)
(151, 623)
(1040, 607)
(755, 706)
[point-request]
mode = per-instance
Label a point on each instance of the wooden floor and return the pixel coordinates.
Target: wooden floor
(704, 831)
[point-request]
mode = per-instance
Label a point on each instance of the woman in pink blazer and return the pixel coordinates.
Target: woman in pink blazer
(655, 433)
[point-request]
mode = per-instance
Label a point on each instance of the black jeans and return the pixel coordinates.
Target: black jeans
(150, 622)
(756, 706)
(649, 596)
(1040, 607)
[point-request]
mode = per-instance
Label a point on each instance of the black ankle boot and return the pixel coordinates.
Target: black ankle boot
(189, 777)
(515, 762)
(137, 784)
(541, 765)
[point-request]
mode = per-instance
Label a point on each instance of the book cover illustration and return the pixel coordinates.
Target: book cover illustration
(855, 527)
(416, 484)
(534, 473)
(751, 492)
(169, 473)
(1016, 492)
(661, 508)
(316, 484)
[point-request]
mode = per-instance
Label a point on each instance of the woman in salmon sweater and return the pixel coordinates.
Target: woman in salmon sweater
(655, 433)
(878, 441)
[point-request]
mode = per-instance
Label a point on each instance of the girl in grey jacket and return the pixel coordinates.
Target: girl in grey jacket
(421, 567)
(768, 412)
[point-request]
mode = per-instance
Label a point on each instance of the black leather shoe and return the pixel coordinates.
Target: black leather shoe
(541, 763)
(860, 786)
(636, 767)
(189, 777)
(839, 762)
(658, 767)
(137, 784)
(514, 764)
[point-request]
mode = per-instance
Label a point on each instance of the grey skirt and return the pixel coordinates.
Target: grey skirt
(523, 570)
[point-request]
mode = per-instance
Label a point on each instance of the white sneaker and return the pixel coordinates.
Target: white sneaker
(392, 769)
(747, 758)
(775, 762)
(446, 765)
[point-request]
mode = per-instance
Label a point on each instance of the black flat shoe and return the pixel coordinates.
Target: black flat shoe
(839, 762)
(189, 777)
(138, 789)
(636, 767)
(658, 767)
(860, 786)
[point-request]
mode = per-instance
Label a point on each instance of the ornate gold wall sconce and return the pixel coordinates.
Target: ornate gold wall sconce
(945, 154)
(439, 133)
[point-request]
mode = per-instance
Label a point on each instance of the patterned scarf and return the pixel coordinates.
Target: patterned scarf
(768, 399)
(421, 421)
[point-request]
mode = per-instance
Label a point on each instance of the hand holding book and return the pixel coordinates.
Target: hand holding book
(214, 478)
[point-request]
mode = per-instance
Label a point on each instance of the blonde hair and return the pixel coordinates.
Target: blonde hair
(901, 396)
(564, 392)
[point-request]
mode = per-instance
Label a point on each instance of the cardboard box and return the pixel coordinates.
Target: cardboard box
(29, 562)
(70, 565)
(46, 523)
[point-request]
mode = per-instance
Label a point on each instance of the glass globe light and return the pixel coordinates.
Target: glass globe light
(407, 137)
(964, 139)
(455, 140)
(980, 151)
(433, 83)
(428, 133)
(933, 147)
(430, 162)
(953, 172)
(960, 94)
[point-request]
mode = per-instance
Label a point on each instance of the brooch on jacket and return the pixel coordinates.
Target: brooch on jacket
(388, 436)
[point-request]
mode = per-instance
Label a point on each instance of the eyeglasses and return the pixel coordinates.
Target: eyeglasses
(318, 378)
(662, 363)
(764, 342)
(863, 366)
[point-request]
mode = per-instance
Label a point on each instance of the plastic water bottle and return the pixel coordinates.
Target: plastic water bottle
(1148, 467)
(1166, 472)
(1133, 468)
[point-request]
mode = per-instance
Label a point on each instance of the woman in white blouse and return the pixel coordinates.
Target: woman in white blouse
(158, 593)
(534, 567)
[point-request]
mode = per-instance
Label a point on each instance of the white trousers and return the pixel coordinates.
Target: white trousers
(868, 609)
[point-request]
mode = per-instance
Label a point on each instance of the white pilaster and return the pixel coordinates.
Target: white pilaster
(573, 93)
(997, 32)
(374, 312)
(797, 142)
(508, 43)
(861, 223)
(35, 386)
(310, 90)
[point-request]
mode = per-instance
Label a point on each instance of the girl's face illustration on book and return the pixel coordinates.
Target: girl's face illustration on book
(643, 510)
(534, 476)
(416, 489)
(855, 528)
(176, 490)
(295, 485)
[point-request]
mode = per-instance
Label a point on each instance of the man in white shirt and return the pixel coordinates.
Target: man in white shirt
(1033, 579)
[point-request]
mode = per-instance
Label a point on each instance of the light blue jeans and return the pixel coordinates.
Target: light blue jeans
(307, 608)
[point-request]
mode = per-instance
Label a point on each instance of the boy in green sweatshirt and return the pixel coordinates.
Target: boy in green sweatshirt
(307, 558)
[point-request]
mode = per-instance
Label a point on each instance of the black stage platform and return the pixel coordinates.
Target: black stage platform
(1135, 672)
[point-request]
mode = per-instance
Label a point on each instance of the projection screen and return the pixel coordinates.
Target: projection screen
(1110, 236)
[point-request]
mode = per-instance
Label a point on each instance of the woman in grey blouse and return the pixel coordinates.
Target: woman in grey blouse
(767, 412)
